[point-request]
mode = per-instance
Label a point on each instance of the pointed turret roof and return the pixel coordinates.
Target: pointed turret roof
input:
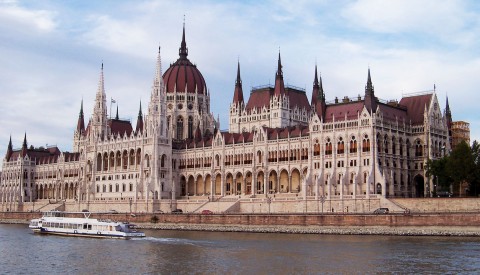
(9, 149)
(318, 96)
(238, 93)
(183, 51)
(369, 86)
(279, 85)
(139, 127)
(101, 84)
(24, 146)
(158, 71)
(81, 120)
(370, 99)
(198, 133)
(116, 115)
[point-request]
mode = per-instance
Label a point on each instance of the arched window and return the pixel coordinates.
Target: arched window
(328, 147)
(341, 146)
(418, 149)
(353, 145)
(366, 144)
(180, 127)
(316, 148)
(190, 127)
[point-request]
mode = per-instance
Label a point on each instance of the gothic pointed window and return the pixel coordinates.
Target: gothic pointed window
(366, 144)
(180, 127)
(328, 147)
(190, 127)
(341, 146)
(353, 145)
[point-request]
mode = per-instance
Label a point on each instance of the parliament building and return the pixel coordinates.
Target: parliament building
(283, 152)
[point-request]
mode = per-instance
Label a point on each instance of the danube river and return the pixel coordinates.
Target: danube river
(187, 252)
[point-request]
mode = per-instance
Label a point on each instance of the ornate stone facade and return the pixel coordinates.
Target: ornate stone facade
(279, 145)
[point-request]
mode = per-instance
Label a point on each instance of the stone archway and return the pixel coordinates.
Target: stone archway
(239, 184)
(296, 186)
(272, 182)
(183, 186)
(218, 185)
(419, 186)
(191, 186)
(200, 186)
(260, 182)
(284, 182)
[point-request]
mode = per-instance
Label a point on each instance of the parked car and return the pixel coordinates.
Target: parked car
(444, 194)
(381, 211)
(206, 212)
(177, 211)
(85, 210)
(158, 211)
(113, 211)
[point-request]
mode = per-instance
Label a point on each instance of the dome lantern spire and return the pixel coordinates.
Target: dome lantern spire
(183, 51)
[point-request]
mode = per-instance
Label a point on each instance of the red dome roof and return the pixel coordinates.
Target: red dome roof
(183, 74)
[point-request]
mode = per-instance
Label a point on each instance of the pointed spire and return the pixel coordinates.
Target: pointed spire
(198, 132)
(369, 86)
(238, 93)
(370, 101)
(116, 116)
(81, 120)
(24, 146)
(9, 150)
(183, 51)
(139, 127)
(318, 96)
(158, 72)
(279, 68)
(279, 85)
(101, 85)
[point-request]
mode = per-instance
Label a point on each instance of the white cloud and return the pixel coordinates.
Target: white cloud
(41, 20)
(447, 20)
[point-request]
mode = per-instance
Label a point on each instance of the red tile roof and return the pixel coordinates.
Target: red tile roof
(120, 127)
(261, 97)
(351, 110)
(416, 107)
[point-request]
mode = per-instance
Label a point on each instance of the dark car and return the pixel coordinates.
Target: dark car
(177, 211)
(207, 212)
(381, 211)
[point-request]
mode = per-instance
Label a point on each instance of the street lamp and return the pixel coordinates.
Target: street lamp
(269, 201)
(130, 201)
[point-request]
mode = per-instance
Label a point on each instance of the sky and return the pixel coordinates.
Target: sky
(51, 54)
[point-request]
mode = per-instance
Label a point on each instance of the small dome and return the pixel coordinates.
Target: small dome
(183, 74)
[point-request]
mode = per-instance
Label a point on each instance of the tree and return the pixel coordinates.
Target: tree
(461, 165)
(475, 184)
(438, 169)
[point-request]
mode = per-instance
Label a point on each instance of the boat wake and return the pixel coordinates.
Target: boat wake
(173, 241)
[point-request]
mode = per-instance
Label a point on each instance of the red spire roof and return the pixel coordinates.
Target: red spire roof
(183, 76)
(80, 122)
(238, 93)
(279, 85)
(139, 127)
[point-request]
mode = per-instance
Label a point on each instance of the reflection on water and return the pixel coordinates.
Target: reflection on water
(22, 252)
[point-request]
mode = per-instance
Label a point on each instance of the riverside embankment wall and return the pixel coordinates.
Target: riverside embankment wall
(390, 220)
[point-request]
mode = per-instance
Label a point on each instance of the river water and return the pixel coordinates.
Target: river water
(187, 252)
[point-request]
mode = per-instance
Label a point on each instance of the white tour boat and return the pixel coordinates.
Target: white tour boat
(55, 222)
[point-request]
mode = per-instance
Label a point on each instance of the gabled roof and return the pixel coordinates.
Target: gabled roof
(283, 133)
(351, 110)
(40, 155)
(416, 107)
(120, 127)
(261, 97)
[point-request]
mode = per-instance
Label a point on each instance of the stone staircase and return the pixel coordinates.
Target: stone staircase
(220, 205)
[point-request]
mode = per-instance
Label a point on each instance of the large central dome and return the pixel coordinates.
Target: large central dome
(183, 76)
